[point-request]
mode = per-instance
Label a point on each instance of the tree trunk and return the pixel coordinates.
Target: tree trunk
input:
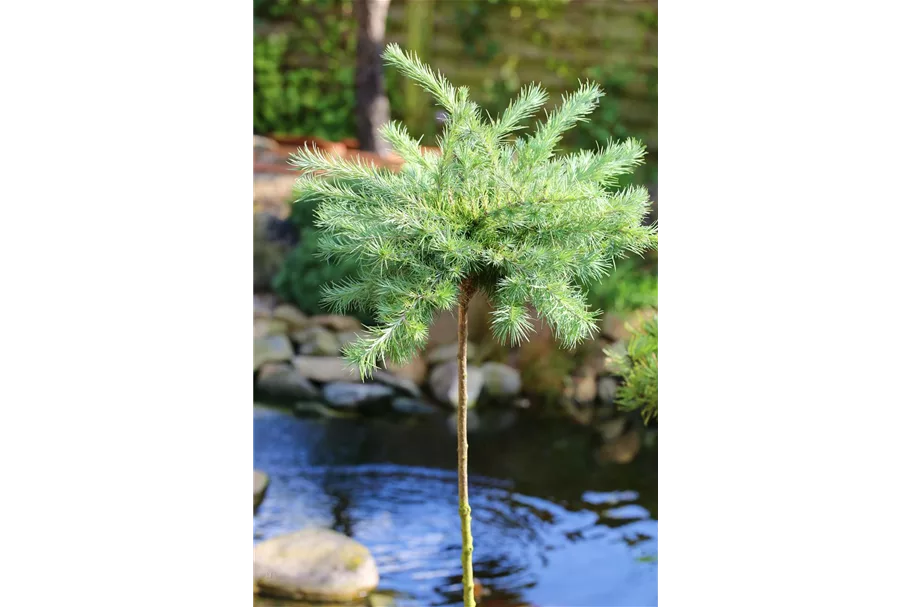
(467, 290)
(371, 104)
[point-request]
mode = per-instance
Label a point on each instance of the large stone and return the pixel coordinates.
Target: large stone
(337, 323)
(413, 406)
(585, 388)
(612, 429)
(415, 370)
(377, 599)
(399, 383)
(270, 369)
(447, 352)
(444, 384)
(268, 601)
(350, 394)
(262, 306)
(272, 348)
(291, 315)
(315, 565)
(310, 408)
(348, 337)
(316, 341)
(607, 390)
(501, 381)
(264, 327)
(325, 368)
(260, 484)
(621, 450)
(281, 380)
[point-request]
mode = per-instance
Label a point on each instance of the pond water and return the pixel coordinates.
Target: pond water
(551, 527)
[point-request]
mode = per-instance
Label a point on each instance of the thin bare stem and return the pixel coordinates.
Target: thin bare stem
(467, 290)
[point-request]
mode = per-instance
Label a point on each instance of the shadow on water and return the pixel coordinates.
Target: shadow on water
(551, 527)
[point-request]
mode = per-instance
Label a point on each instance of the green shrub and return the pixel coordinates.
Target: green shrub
(632, 285)
(639, 370)
(304, 272)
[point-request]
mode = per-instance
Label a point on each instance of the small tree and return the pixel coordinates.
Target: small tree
(489, 213)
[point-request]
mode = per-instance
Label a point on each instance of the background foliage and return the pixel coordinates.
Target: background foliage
(639, 369)
(303, 68)
(304, 63)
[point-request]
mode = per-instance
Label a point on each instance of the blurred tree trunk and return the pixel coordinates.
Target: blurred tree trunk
(371, 103)
(419, 29)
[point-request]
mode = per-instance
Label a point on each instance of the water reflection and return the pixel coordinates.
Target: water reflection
(560, 531)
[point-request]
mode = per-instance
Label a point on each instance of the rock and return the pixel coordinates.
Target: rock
(260, 484)
(269, 369)
(267, 601)
(316, 341)
(272, 348)
(380, 600)
(585, 388)
(415, 370)
(291, 315)
(325, 368)
(447, 352)
(472, 422)
(621, 450)
(284, 382)
(413, 406)
(401, 384)
(348, 337)
(317, 409)
(262, 306)
(315, 565)
(444, 384)
(337, 323)
(349, 394)
(607, 389)
(612, 429)
(501, 381)
(264, 327)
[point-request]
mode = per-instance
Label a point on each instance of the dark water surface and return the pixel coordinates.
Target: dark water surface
(551, 527)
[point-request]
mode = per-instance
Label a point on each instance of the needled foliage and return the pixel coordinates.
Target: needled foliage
(493, 210)
(639, 369)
